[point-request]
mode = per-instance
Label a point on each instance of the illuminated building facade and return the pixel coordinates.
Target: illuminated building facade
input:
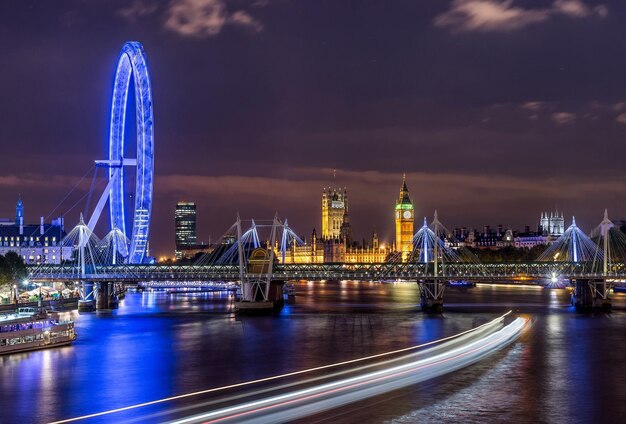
(36, 244)
(185, 219)
(319, 250)
(334, 210)
(499, 238)
(552, 224)
(404, 215)
(336, 244)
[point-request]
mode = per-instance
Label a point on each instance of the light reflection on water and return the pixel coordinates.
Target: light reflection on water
(565, 369)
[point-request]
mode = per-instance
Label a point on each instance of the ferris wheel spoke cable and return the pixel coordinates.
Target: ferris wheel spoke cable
(91, 168)
(93, 182)
(67, 195)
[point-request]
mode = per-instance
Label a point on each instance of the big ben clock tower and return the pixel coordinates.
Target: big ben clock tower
(404, 222)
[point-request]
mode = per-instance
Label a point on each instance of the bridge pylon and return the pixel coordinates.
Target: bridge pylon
(87, 300)
(429, 247)
(85, 241)
(593, 294)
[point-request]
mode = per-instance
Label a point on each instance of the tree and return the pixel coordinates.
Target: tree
(5, 278)
(12, 270)
(508, 254)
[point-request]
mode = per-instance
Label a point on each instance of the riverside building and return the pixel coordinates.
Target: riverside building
(35, 243)
(336, 244)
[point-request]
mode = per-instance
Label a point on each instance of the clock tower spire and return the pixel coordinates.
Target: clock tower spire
(404, 222)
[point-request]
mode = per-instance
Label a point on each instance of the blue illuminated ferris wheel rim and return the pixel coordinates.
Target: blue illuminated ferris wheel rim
(132, 62)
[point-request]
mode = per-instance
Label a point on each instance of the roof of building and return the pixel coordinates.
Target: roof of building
(404, 198)
(32, 231)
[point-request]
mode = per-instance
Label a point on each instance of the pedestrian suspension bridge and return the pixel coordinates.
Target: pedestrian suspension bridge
(591, 263)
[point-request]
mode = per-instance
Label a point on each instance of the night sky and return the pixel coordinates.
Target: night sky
(496, 110)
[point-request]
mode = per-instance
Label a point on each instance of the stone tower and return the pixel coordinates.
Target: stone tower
(19, 211)
(552, 224)
(334, 207)
(404, 222)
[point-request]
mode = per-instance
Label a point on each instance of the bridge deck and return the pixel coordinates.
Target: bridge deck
(366, 272)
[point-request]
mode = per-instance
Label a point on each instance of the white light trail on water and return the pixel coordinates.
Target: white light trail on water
(479, 332)
(492, 323)
(301, 403)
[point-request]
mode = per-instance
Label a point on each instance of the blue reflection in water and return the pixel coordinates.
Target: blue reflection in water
(431, 329)
(161, 344)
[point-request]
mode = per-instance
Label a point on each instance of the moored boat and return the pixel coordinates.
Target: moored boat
(461, 283)
(34, 328)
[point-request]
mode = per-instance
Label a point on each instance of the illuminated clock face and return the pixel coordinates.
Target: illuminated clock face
(398, 214)
(406, 214)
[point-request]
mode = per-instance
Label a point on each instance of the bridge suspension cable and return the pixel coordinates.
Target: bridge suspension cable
(226, 249)
(611, 243)
(113, 248)
(445, 250)
(572, 246)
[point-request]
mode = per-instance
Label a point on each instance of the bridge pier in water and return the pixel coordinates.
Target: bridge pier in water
(253, 301)
(591, 295)
(260, 293)
(97, 296)
(431, 295)
(106, 297)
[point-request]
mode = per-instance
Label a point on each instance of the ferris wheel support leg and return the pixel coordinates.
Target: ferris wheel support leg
(103, 200)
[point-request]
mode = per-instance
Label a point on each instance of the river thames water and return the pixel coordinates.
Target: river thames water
(567, 368)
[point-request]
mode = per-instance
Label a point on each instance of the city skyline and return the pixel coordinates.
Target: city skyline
(481, 137)
(337, 244)
(387, 236)
(327, 211)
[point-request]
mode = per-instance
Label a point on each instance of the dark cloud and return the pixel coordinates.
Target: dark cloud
(257, 102)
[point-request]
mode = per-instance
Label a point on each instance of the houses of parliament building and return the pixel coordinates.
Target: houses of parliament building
(336, 245)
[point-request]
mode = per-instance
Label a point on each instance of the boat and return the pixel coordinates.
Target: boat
(32, 329)
(619, 289)
(461, 283)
